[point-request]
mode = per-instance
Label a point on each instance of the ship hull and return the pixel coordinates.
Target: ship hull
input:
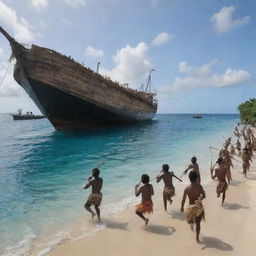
(68, 112)
(74, 97)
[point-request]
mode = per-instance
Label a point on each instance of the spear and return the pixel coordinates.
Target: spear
(230, 156)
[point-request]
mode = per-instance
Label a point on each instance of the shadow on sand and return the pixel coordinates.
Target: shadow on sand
(160, 230)
(234, 206)
(116, 225)
(177, 215)
(212, 242)
(235, 183)
(251, 177)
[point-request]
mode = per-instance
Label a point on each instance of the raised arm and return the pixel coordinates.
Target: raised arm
(176, 177)
(88, 184)
(159, 177)
(189, 167)
(137, 190)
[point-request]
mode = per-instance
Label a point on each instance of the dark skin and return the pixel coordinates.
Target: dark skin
(96, 184)
(228, 164)
(195, 168)
(246, 158)
(194, 192)
(220, 174)
(167, 178)
(146, 191)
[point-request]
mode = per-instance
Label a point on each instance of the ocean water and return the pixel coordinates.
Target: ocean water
(41, 171)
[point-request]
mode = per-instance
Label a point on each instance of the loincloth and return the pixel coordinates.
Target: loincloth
(194, 211)
(222, 187)
(145, 207)
(95, 199)
(168, 193)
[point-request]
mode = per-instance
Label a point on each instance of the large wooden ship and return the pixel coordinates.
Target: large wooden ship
(73, 96)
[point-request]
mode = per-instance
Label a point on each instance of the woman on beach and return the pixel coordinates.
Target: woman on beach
(146, 191)
(195, 168)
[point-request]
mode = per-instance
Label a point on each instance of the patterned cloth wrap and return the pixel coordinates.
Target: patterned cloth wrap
(222, 187)
(95, 199)
(145, 207)
(168, 193)
(194, 211)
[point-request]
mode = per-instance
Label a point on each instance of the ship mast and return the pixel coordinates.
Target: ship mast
(98, 66)
(148, 87)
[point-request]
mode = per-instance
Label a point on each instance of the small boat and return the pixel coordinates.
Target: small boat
(197, 116)
(27, 116)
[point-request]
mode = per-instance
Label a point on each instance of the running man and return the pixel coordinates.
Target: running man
(96, 196)
(228, 164)
(246, 161)
(146, 191)
(220, 173)
(195, 168)
(195, 211)
(169, 190)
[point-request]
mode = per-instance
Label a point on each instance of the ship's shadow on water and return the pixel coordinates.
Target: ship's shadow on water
(212, 242)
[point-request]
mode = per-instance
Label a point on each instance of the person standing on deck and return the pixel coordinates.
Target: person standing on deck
(169, 190)
(195, 168)
(195, 211)
(96, 196)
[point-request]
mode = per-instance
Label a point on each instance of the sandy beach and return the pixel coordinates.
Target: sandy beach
(228, 230)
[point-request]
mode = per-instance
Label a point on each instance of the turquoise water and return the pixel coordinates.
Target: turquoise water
(41, 171)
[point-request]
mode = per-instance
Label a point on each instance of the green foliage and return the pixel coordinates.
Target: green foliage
(248, 111)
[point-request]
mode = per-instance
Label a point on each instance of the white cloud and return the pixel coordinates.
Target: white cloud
(1, 52)
(76, 3)
(39, 4)
(162, 38)
(66, 21)
(91, 51)
(154, 3)
(131, 65)
(223, 20)
(204, 77)
(19, 26)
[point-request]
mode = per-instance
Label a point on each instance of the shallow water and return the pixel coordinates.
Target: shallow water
(41, 170)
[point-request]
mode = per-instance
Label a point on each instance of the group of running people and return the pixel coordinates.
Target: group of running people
(195, 212)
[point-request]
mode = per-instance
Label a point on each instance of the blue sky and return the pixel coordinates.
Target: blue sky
(202, 50)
